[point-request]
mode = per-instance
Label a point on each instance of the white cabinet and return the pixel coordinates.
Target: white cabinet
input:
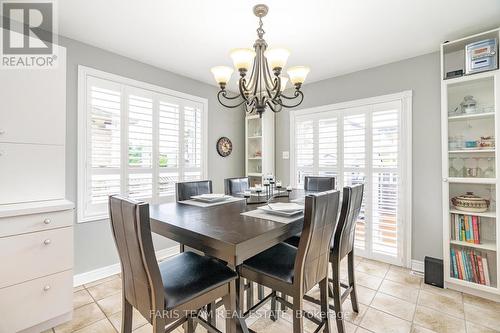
(470, 127)
(31, 102)
(259, 146)
(31, 172)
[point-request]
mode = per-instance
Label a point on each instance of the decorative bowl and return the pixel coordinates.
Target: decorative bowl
(470, 203)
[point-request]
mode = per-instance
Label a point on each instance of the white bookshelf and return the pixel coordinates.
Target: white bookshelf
(259, 146)
(457, 162)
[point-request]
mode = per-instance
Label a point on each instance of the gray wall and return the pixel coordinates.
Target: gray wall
(420, 74)
(94, 246)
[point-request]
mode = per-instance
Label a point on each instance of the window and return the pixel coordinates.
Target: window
(135, 139)
(366, 141)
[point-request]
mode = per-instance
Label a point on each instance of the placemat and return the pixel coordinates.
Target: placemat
(257, 213)
(209, 204)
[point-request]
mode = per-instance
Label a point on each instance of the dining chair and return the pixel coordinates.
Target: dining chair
(185, 190)
(313, 184)
(236, 185)
(342, 246)
(172, 292)
(319, 184)
(294, 271)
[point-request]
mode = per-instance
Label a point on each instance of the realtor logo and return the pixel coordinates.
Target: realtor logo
(28, 34)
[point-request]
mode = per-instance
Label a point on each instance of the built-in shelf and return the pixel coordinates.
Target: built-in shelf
(472, 116)
(478, 180)
(473, 285)
(255, 158)
(490, 214)
(470, 151)
(485, 245)
(255, 137)
(255, 174)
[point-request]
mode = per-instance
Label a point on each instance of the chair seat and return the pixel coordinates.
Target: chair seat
(293, 241)
(189, 275)
(277, 262)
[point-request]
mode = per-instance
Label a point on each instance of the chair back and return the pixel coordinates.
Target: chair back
(185, 190)
(319, 184)
(142, 284)
(234, 186)
(343, 238)
(320, 218)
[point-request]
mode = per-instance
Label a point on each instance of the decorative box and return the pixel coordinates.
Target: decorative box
(481, 56)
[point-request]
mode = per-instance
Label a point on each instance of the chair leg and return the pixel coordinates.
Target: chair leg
(126, 315)
(273, 306)
(339, 316)
(250, 294)
(211, 314)
(325, 309)
(190, 325)
(352, 282)
(260, 292)
(158, 324)
(298, 318)
(230, 307)
(181, 248)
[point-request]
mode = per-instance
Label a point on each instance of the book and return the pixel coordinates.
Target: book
(454, 267)
(459, 265)
(475, 229)
(481, 270)
(486, 271)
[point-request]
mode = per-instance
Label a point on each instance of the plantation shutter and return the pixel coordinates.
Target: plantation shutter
(192, 142)
(304, 146)
(327, 147)
(169, 150)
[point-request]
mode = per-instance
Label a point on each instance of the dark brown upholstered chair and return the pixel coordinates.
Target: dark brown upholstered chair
(185, 190)
(235, 186)
(343, 245)
(313, 184)
(294, 271)
(169, 293)
(319, 184)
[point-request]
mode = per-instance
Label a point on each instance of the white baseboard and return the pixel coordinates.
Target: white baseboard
(106, 271)
(417, 266)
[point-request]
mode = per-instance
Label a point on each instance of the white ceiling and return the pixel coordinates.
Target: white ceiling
(333, 37)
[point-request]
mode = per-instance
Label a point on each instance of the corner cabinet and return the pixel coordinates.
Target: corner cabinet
(470, 127)
(36, 221)
(259, 146)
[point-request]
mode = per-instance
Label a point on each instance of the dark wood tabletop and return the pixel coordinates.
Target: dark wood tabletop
(221, 231)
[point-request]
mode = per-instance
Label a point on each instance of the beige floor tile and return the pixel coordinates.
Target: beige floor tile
(148, 328)
(367, 280)
(442, 291)
(482, 315)
(102, 326)
(441, 303)
(106, 279)
(381, 322)
(399, 290)
(75, 289)
(438, 321)
(373, 268)
(481, 302)
(394, 306)
(365, 295)
(51, 330)
(362, 330)
(137, 320)
(352, 316)
(111, 305)
(81, 297)
(403, 276)
(420, 329)
(105, 289)
(83, 316)
(474, 328)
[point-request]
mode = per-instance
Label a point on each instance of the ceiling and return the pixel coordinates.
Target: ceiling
(333, 37)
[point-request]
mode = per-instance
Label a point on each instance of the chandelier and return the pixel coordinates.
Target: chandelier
(265, 85)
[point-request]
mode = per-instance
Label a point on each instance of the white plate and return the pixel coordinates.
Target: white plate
(212, 197)
(279, 213)
(286, 206)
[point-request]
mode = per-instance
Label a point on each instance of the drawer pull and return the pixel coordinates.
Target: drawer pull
(47, 221)
(47, 242)
(46, 288)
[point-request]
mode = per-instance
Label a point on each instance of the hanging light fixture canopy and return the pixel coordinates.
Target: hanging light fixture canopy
(263, 87)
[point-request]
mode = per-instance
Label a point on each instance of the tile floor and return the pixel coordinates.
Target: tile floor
(392, 300)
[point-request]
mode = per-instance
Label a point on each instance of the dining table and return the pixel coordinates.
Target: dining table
(222, 232)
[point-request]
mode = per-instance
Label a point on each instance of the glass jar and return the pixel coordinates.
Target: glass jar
(468, 105)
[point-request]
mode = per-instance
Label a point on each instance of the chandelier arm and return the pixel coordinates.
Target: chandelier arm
(274, 107)
(251, 80)
(257, 76)
(223, 94)
(297, 95)
(243, 89)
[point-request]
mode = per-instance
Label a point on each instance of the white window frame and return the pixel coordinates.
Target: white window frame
(405, 97)
(84, 73)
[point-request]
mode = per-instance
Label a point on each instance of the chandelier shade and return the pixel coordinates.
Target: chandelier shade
(261, 84)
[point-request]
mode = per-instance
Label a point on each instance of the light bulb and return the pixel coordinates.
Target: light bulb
(298, 74)
(277, 58)
(222, 74)
(242, 58)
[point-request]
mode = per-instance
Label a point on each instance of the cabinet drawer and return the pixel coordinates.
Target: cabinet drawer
(29, 256)
(31, 172)
(27, 304)
(33, 104)
(22, 224)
